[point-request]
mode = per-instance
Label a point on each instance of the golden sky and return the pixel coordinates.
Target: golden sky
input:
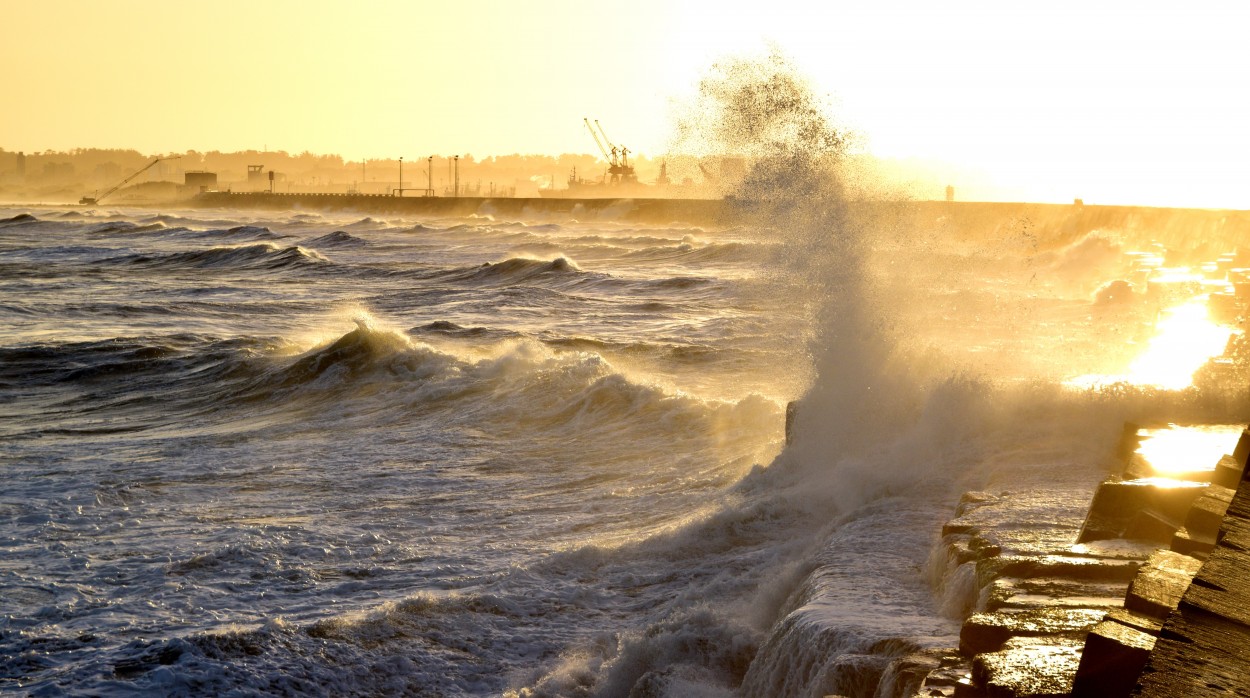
(1113, 101)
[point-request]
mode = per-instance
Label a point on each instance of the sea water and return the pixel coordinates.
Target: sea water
(333, 454)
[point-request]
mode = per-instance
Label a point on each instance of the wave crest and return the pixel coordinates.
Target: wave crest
(265, 255)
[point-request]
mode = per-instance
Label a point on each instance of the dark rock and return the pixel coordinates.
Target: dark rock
(1112, 660)
(988, 632)
(1160, 583)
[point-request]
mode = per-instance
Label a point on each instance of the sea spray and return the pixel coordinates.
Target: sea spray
(869, 427)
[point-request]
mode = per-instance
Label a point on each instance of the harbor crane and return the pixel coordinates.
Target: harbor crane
(623, 150)
(90, 200)
(611, 159)
(619, 169)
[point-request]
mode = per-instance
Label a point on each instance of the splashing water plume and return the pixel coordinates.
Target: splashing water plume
(765, 111)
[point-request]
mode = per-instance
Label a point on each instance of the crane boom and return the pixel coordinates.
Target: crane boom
(605, 134)
(89, 200)
(596, 137)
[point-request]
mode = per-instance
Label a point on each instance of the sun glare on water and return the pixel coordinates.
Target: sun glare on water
(1186, 338)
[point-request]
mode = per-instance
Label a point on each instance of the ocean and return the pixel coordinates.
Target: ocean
(315, 453)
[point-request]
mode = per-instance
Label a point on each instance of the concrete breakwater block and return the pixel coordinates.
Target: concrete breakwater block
(1040, 591)
(1038, 521)
(1195, 546)
(1160, 583)
(1198, 654)
(1026, 668)
(1114, 657)
(1150, 525)
(989, 632)
(1137, 621)
(1222, 585)
(1242, 450)
(1204, 646)
(1234, 532)
(1197, 537)
(1072, 567)
(1006, 593)
(1208, 510)
(1118, 506)
(1228, 472)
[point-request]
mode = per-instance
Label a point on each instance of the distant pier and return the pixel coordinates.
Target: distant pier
(705, 211)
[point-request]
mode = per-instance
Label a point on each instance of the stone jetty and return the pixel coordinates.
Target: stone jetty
(1148, 596)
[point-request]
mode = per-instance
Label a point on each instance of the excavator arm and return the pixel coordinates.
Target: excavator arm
(119, 185)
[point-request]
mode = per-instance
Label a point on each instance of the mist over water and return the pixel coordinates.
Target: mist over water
(344, 455)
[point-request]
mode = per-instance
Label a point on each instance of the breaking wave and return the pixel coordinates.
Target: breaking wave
(268, 256)
(337, 238)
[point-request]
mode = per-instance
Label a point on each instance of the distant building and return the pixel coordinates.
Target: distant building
(950, 192)
(198, 180)
(21, 164)
(256, 176)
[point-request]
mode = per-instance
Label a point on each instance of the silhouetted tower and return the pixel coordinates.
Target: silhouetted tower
(21, 164)
(255, 176)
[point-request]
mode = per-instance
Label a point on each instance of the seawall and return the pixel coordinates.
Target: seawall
(1205, 232)
(696, 211)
